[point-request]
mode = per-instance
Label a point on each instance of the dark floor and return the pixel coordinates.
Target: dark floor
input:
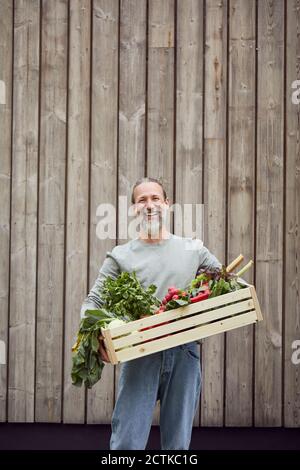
(96, 437)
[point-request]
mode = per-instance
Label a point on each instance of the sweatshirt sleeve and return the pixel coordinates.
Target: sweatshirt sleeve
(207, 260)
(93, 300)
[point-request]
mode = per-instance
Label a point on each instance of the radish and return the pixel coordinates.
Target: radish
(175, 291)
(172, 288)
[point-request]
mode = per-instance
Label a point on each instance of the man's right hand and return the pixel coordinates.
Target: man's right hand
(102, 350)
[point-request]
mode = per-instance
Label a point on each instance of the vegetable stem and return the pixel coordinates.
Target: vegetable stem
(234, 264)
(245, 268)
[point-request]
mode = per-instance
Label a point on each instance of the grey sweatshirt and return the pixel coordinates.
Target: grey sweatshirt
(170, 262)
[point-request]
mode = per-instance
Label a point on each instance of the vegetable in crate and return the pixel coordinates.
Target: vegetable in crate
(127, 298)
(175, 298)
(124, 300)
(86, 362)
(211, 283)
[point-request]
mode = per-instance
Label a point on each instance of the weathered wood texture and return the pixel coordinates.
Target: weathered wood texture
(291, 273)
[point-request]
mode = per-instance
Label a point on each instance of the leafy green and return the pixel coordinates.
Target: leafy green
(175, 303)
(220, 287)
(123, 298)
(127, 298)
(87, 365)
(218, 279)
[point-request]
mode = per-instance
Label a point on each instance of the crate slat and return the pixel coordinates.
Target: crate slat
(256, 303)
(184, 323)
(186, 337)
(222, 300)
(110, 347)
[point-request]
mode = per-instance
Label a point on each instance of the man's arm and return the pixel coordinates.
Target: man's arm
(207, 260)
(93, 300)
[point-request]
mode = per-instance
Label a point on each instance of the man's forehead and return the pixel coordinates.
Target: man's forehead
(150, 193)
(154, 190)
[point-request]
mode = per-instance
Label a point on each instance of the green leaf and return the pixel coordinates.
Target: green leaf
(181, 302)
(124, 298)
(94, 343)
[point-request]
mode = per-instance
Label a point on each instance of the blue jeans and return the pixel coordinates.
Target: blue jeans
(174, 377)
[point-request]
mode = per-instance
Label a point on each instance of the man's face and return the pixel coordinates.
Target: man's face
(151, 207)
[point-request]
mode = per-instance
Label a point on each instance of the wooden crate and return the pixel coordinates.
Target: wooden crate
(186, 324)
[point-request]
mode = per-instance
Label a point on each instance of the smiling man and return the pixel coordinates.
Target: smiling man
(151, 205)
(172, 376)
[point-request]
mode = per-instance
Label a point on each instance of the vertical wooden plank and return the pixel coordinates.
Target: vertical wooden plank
(215, 79)
(77, 194)
(241, 191)
(269, 233)
(132, 98)
(51, 247)
(6, 53)
(189, 101)
(292, 208)
(160, 99)
(103, 184)
(24, 212)
(189, 107)
(160, 104)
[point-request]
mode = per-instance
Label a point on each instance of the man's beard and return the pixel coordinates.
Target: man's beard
(152, 226)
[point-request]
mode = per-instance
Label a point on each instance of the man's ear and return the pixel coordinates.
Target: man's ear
(132, 212)
(135, 211)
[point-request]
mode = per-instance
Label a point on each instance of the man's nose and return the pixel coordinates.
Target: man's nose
(149, 205)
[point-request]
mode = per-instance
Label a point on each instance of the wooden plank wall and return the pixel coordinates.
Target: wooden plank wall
(97, 93)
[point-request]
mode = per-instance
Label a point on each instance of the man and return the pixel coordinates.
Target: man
(172, 376)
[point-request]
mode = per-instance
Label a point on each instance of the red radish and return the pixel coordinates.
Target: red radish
(202, 296)
(174, 291)
(172, 288)
(175, 297)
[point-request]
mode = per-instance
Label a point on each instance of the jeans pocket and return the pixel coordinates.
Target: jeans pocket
(191, 350)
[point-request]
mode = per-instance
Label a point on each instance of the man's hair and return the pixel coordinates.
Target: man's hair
(147, 179)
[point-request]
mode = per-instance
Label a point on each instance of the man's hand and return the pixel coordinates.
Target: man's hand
(102, 350)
